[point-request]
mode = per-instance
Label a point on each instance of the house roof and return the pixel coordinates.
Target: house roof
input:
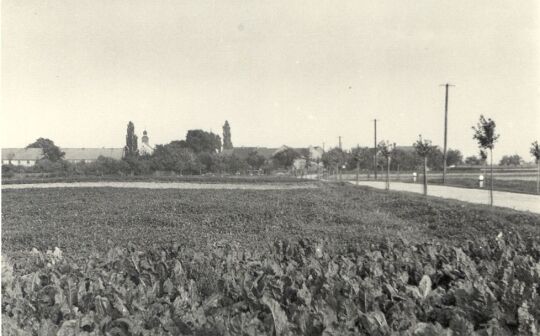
(22, 153)
(92, 153)
(243, 152)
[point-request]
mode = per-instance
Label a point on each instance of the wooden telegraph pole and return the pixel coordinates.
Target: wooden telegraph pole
(339, 163)
(445, 130)
(357, 163)
(375, 150)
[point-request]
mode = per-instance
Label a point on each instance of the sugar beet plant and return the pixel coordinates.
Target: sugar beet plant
(489, 287)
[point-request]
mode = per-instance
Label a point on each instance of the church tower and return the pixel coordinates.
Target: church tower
(145, 137)
(227, 143)
(145, 148)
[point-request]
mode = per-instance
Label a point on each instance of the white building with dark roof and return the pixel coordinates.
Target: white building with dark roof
(21, 156)
(29, 156)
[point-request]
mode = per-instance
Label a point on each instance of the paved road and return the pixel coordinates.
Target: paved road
(516, 201)
(162, 185)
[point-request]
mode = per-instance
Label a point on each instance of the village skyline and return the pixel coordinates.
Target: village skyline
(76, 73)
(140, 133)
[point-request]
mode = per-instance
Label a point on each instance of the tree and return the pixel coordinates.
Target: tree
(473, 160)
(435, 158)
(227, 142)
(483, 158)
(510, 160)
(208, 161)
(423, 149)
(108, 166)
(535, 151)
(386, 149)
(202, 141)
(51, 152)
(334, 158)
(234, 164)
(285, 158)
(174, 157)
(306, 154)
(255, 160)
(131, 148)
(360, 157)
(454, 157)
(404, 159)
(484, 134)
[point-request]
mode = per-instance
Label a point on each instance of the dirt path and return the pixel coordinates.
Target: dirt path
(162, 185)
(515, 201)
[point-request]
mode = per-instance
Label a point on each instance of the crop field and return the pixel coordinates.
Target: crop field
(332, 260)
(146, 178)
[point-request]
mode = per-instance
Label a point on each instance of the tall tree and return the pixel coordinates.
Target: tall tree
(227, 142)
(386, 149)
(535, 151)
(202, 141)
(484, 134)
(131, 149)
(51, 152)
(423, 149)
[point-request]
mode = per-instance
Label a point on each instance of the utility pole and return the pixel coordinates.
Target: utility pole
(339, 163)
(357, 163)
(445, 154)
(375, 150)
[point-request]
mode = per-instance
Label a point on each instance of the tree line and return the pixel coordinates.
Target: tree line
(201, 152)
(484, 133)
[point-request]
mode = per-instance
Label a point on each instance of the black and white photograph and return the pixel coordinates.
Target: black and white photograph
(281, 168)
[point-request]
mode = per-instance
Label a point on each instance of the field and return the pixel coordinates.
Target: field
(247, 262)
(517, 182)
(79, 220)
(149, 178)
(510, 185)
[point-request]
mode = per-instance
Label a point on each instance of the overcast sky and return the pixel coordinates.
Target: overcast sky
(282, 72)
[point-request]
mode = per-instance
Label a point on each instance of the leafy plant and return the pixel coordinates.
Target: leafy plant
(298, 287)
